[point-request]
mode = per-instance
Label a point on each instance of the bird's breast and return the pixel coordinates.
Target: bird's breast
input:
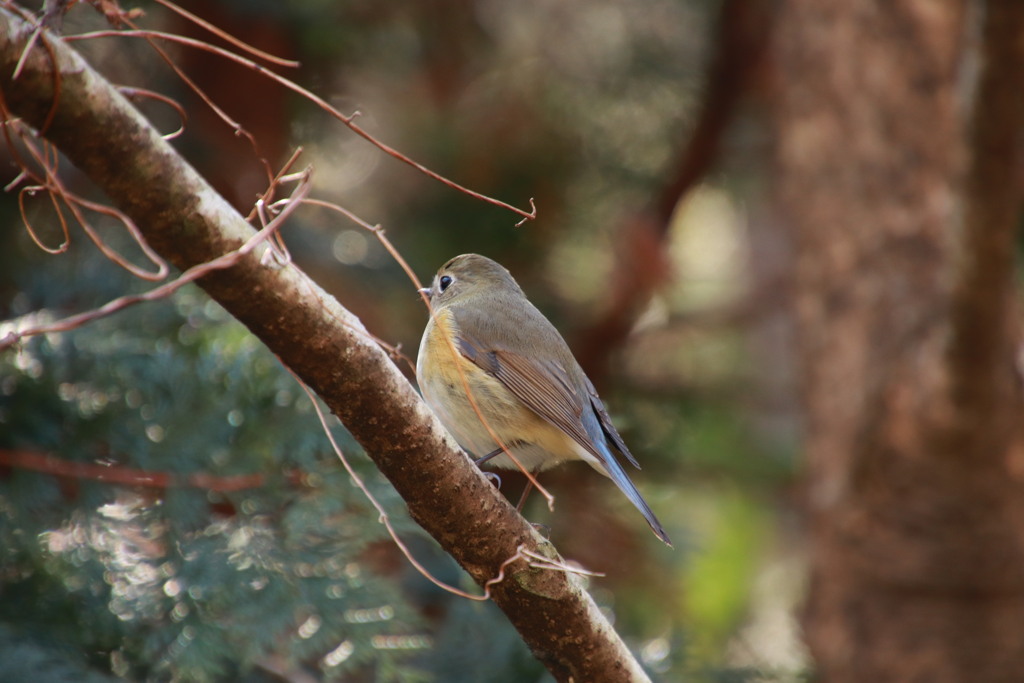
(448, 379)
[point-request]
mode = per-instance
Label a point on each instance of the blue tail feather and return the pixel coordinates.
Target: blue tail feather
(615, 472)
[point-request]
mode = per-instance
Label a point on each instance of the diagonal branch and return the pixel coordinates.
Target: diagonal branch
(186, 222)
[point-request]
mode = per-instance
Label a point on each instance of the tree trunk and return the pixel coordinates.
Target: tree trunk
(899, 160)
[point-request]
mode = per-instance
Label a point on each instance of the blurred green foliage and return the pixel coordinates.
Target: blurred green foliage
(180, 580)
(580, 105)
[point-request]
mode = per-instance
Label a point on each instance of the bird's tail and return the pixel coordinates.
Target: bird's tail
(613, 470)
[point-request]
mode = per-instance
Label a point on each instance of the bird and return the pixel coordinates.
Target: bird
(526, 385)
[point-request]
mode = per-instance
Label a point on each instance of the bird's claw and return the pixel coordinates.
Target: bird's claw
(542, 529)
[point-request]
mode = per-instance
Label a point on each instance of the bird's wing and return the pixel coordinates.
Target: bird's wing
(606, 424)
(548, 390)
(545, 388)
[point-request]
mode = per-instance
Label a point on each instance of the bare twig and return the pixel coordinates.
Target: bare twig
(28, 48)
(378, 231)
(227, 37)
(226, 261)
(36, 34)
(532, 559)
(267, 198)
(347, 119)
(190, 225)
(235, 126)
(142, 93)
(383, 517)
(51, 183)
(112, 12)
(31, 190)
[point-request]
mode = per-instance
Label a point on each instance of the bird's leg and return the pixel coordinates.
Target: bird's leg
(501, 449)
(481, 461)
(490, 475)
(522, 498)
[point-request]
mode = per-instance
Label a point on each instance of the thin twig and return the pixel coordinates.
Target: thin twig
(224, 35)
(38, 33)
(540, 562)
(47, 160)
(24, 53)
(223, 115)
(378, 231)
(53, 184)
(280, 249)
(522, 553)
(132, 93)
(348, 120)
(226, 261)
(383, 517)
(31, 190)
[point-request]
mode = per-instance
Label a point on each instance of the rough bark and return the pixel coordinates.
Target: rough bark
(899, 161)
(185, 221)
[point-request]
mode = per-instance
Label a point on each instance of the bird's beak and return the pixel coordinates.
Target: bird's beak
(425, 291)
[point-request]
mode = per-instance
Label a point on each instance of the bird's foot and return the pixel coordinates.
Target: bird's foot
(542, 529)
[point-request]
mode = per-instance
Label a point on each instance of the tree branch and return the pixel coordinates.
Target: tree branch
(184, 220)
(131, 476)
(741, 40)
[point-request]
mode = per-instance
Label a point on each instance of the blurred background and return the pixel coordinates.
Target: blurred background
(637, 129)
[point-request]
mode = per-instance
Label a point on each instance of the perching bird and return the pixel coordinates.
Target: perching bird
(523, 377)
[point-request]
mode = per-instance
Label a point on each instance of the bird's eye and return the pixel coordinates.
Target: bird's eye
(444, 282)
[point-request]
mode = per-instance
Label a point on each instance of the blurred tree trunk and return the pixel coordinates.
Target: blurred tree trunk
(899, 165)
